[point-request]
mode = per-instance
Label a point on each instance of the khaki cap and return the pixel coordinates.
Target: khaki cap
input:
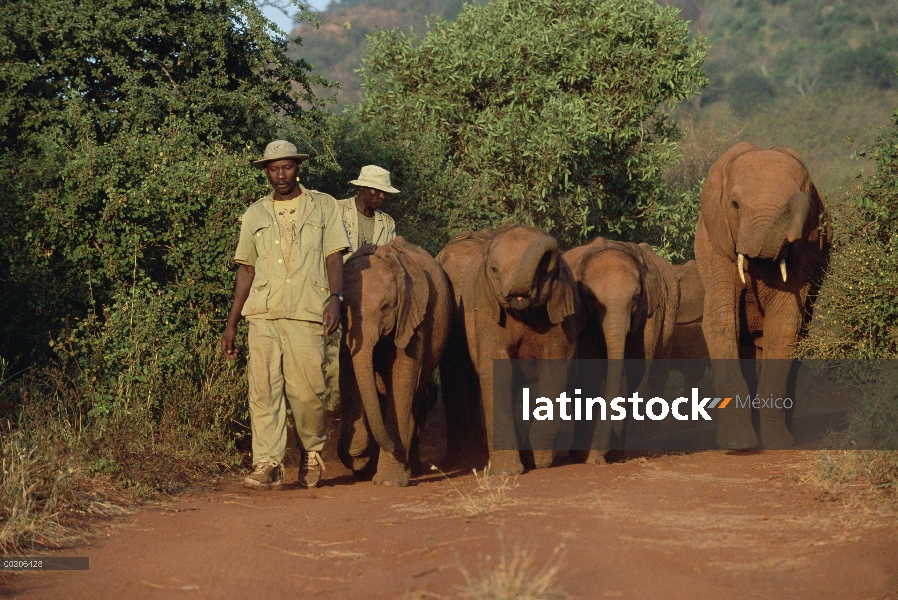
(375, 177)
(277, 150)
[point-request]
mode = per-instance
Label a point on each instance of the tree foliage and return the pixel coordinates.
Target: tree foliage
(797, 47)
(546, 112)
(857, 314)
(127, 129)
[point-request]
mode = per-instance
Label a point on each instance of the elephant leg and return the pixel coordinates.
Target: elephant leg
(354, 445)
(781, 328)
(393, 467)
(615, 385)
(504, 462)
(553, 376)
(720, 326)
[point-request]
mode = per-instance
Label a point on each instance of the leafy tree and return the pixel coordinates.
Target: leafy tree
(749, 90)
(127, 130)
(857, 315)
(544, 111)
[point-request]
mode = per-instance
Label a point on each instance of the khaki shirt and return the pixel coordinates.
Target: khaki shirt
(301, 291)
(384, 226)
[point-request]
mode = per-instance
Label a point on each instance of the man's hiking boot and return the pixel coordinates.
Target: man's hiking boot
(267, 476)
(310, 469)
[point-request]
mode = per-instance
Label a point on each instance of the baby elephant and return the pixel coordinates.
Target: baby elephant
(395, 324)
(631, 298)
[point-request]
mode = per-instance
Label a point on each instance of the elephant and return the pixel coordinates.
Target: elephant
(396, 320)
(688, 345)
(761, 245)
(515, 298)
(631, 298)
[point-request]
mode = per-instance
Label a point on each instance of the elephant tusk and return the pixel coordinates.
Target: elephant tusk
(741, 265)
(783, 268)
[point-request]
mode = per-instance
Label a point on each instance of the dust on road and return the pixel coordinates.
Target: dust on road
(700, 525)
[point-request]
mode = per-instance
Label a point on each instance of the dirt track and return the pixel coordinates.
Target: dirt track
(703, 525)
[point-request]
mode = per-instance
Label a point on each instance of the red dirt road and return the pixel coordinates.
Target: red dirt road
(702, 525)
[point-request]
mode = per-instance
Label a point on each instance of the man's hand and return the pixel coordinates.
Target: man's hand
(334, 265)
(227, 342)
(331, 315)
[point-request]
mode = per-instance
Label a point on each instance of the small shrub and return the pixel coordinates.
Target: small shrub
(515, 577)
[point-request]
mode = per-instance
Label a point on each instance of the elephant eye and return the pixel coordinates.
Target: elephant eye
(494, 268)
(735, 205)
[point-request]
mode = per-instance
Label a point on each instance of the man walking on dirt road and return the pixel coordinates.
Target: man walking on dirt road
(289, 288)
(365, 222)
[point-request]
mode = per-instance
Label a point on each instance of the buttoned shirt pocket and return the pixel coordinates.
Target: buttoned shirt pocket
(262, 238)
(319, 294)
(257, 302)
(312, 234)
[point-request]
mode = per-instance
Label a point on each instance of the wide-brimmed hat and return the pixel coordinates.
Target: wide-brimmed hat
(375, 177)
(277, 150)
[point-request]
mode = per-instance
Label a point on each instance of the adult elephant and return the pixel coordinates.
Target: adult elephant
(515, 298)
(761, 244)
(396, 318)
(631, 298)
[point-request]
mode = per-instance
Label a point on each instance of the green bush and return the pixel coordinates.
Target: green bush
(857, 316)
(127, 131)
(748, 91)
(543, 112)
(857, 312)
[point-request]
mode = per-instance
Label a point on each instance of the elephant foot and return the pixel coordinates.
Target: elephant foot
(505, 463)
(776, 438)
(736, 434)
(391, 472)
(596, 457)
(543, 458)
(392, 478)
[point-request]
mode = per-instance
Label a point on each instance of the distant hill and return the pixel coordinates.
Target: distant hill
(759, 48)
(335, 49)
(817, 75)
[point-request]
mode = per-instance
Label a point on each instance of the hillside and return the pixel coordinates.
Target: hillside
(335, 49)
(815, 74)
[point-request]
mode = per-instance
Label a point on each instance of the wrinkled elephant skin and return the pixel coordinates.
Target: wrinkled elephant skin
(630, 297)
(396, 319)
(515, 298)
(761, 245)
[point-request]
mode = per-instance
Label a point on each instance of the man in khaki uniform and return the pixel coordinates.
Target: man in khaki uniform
(289, 285)
(364, 222)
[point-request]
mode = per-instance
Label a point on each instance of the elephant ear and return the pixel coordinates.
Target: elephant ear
(364, 250)
(692, 293)
(713, 211)
(482, 292)
(651, 280)
(413, 291)
(563, 298)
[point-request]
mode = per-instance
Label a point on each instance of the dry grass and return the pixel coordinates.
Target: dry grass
(515, 577)
(46, 499)
(862, 481)
(490, 493)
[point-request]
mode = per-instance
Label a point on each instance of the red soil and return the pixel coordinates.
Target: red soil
(702, 525)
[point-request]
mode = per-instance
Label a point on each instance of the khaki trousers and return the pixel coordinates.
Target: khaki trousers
(285, 358)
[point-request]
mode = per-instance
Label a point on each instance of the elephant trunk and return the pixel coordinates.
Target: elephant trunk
(363, 364)
(615, 329)
(785, 226)
(541, 254)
